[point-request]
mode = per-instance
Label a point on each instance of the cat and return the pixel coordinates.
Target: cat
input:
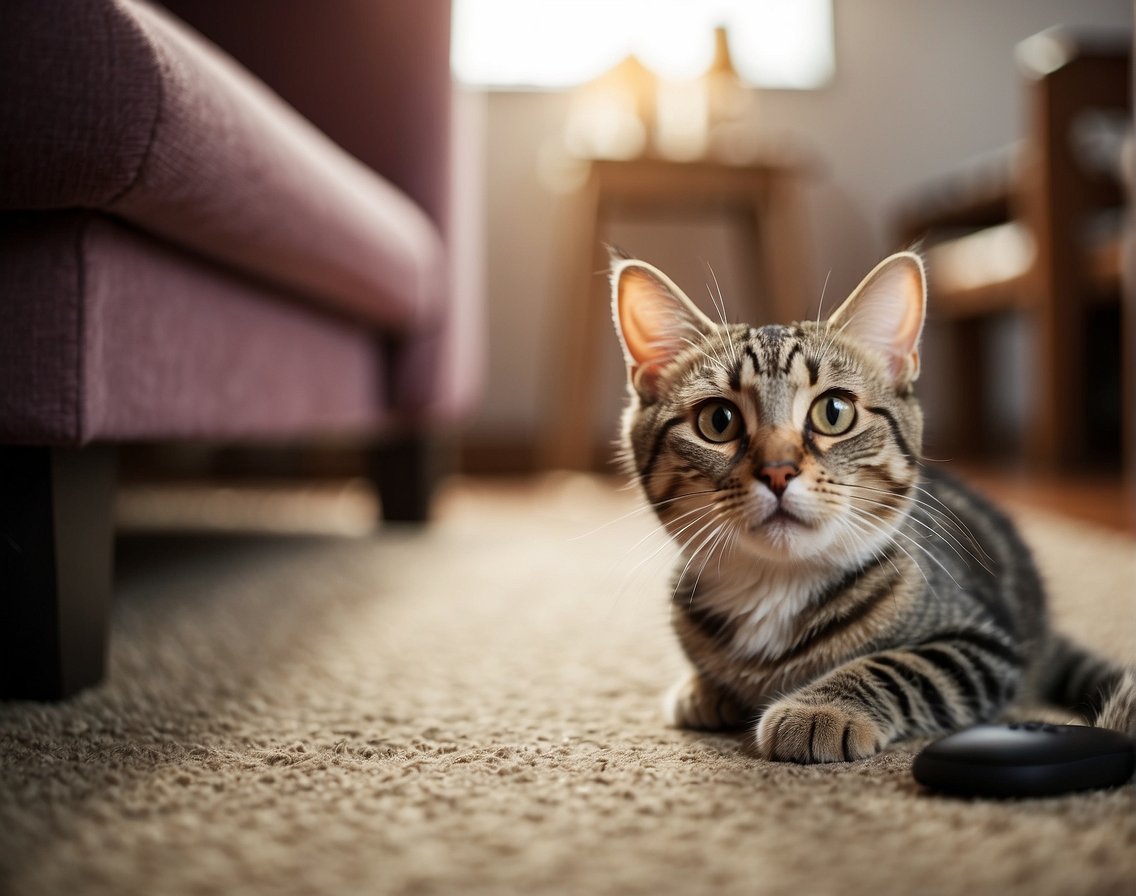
(834, 592)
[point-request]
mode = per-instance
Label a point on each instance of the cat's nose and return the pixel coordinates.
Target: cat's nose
(777, 475)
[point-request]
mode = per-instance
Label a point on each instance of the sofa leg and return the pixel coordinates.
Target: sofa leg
(405, 470)
(56, 549)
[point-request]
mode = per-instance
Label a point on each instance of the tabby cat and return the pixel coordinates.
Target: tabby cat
(833, 591)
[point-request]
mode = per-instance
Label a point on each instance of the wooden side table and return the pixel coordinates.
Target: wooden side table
(765, 197)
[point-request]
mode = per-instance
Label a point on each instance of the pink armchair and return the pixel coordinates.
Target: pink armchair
(238, 237)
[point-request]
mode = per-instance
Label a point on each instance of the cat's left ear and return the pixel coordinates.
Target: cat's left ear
(886, 312)
(654, 319)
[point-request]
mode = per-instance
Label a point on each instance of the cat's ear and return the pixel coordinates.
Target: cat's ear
(885, 314)
(654, 319)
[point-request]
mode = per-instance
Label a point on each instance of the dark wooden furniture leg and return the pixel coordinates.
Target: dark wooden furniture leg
(969, 390)
(56, 549)
(405, 470)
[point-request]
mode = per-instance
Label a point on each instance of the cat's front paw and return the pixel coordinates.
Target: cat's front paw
(793, 731)
(695, 703)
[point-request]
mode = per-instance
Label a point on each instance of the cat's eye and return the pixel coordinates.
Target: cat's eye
(719, 421)
(832, 415)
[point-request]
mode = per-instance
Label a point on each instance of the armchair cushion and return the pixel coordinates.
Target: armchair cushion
(119, 336)
(118, 107)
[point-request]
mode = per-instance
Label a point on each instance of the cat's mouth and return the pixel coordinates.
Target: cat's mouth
(782, 517)
(783, 535)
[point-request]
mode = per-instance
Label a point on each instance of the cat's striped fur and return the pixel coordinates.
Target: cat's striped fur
(834, 591)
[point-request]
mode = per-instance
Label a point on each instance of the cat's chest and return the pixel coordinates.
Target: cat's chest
(766, 620)
(756, 637)
(758, 620)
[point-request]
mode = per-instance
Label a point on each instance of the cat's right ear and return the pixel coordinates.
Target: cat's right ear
(654, 319)
(886, 313)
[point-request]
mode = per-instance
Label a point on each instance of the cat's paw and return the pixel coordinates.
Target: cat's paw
(792, 731)
(694, 703)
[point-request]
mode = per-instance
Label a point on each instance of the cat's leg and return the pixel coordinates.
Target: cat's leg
(696, 702)
(859, 708)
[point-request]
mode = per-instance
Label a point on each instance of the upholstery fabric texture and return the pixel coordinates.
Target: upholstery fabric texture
(143, 341)
(120, 108)
(324, 52)
(185, 255)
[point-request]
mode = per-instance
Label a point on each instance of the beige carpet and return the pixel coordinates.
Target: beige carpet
(475, 710)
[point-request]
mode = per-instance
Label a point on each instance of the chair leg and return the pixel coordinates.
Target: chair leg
(967, 397)
(56, 549)
(405, 470)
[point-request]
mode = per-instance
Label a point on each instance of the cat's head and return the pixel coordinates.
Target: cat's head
(793, 443)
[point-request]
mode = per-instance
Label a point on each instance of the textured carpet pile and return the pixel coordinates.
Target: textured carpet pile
(475, 709)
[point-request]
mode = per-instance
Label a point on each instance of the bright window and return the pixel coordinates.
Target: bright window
(554, 44)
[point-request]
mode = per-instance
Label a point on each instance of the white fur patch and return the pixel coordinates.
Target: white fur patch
(767, 603)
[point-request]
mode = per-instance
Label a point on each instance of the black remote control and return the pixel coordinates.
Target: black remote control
(1026, 759)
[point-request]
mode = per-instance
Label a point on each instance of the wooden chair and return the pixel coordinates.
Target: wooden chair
(1037, 230)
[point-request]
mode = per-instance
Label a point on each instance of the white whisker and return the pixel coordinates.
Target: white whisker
(713, 526)
(865, 518)
(823, 290)
(953, 542)
(898, 533)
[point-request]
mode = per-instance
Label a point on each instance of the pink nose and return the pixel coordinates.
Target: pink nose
(777, 475)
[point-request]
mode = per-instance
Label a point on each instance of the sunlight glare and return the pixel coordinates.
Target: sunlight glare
(557, 44)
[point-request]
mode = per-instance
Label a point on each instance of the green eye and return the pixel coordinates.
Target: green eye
(832, 415)
(719, 421)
